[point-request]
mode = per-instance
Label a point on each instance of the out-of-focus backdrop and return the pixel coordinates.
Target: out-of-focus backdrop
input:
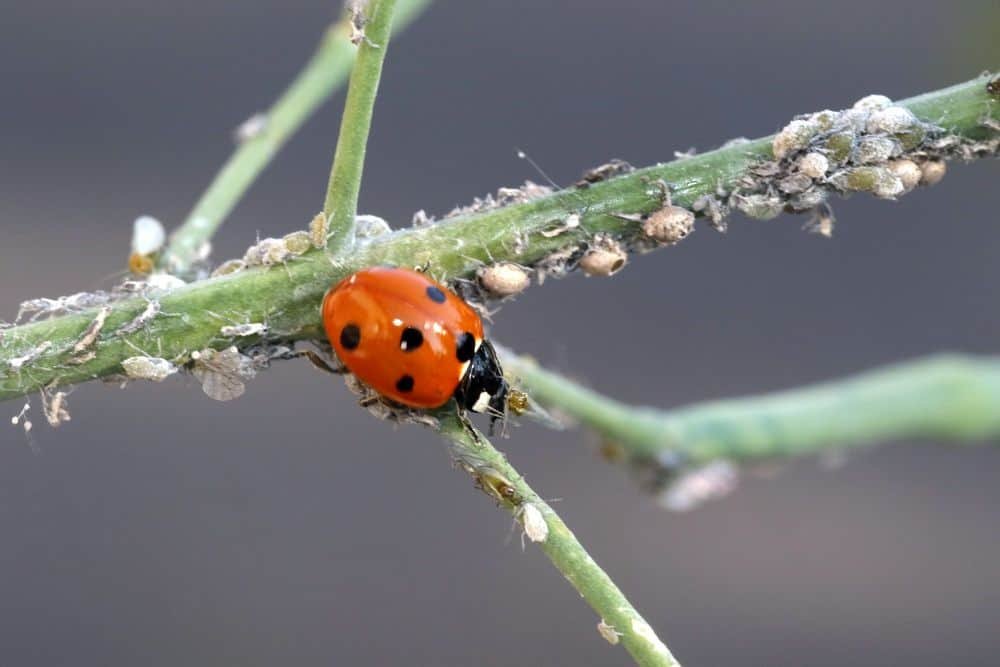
(289, 527)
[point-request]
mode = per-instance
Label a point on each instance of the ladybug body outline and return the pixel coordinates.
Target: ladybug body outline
(413, 341)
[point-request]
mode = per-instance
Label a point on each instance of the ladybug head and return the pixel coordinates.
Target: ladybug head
(483, 388)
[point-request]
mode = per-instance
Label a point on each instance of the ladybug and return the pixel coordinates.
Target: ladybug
(413, 341)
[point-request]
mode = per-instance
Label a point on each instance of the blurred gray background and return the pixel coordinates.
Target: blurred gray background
(288, 527)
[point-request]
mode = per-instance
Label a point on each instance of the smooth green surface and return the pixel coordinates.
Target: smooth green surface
(565, 551)
(341, 204)
(948, 397)
(288, 297)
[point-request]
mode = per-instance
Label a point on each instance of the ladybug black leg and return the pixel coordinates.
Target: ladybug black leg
(318, 361)
(463, 417)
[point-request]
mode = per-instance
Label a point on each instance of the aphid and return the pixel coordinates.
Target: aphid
(222, 372)
(610, 169)
(229, 266)
(163, 282)
(140, 320)
(154, 369)
(491, 482)
(319, 227)
(413, 341)
(609, 633)
(814, 165)
(533, 523)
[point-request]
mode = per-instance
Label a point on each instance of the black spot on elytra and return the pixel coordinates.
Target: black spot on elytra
(466, 347)
(405, 383)
(435, 294)
(350, 336)
(411, 339)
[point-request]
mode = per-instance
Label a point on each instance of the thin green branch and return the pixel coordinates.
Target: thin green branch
(948, 397)
(341, 205)
(620, 621)
(534, 233)
(323, 74)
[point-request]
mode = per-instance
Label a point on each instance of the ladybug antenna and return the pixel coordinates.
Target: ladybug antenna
(527, 158)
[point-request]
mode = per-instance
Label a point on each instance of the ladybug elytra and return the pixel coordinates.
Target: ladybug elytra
(413, 341)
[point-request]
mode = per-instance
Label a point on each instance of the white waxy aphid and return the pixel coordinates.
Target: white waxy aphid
(222, 372)
(669, 225)
(877, 180)
(759, 206)
(229, 266)
(148, 368)
(163, 282)
(251, 329)
(503, 279)
(267, 252)
(794, 184)
(609, 633)
(17, 363)
(874, 150)
(533, 522)
(814, 165)
(907, 171)
(891, 120)
(252, 127)
(793, 137)
(148, 235)
(370, 226)
(872, 103)
(421, 219)
(298, 242)
(694, 488)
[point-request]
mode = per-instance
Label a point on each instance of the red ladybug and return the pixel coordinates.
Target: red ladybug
(413, 341)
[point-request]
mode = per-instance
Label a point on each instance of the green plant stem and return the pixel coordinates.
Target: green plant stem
(562, 547)
(341, 204)
(949, 397)
(323, 74)
(287, 297)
